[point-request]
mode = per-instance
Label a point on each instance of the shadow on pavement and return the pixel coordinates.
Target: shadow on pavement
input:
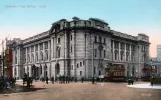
(18, 89)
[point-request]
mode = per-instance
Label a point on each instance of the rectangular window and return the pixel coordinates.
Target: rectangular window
(95, 52)
(71, 49)
(58, 40)
(80, 63)
(80, 72)
(94, 70)
(95, 39)
(121, 57)
(100, 40)
(77, 65)
(46, 45)
(104, 40)
(41, 46)
(104, 53)
(36, 47)
(71, 37)
(100, 54)
(83, 62)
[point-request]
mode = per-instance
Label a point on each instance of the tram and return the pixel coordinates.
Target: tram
(147, 72)
(115, 74)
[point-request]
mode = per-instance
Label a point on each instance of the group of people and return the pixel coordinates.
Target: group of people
(28, 80)
(62, 79)
(6, 82)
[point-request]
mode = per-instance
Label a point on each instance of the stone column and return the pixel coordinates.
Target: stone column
(38, 52)
(34, 53)
(44, 51)
(119, 56)
(26, 56)
(113, 50)
(49, 50)
(130, 53)
(125, 53)
(52, 48)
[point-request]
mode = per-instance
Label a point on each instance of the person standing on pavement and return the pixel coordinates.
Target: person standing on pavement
(47, 80)
(52, 80)
(82, 79)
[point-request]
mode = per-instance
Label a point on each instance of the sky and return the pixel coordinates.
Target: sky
(25, 18)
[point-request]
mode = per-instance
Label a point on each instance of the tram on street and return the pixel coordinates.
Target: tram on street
(115, 73)
(147, 72)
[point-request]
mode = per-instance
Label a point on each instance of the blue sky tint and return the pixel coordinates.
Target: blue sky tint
(127, 16)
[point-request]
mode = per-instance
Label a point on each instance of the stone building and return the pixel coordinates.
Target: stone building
(81, 48)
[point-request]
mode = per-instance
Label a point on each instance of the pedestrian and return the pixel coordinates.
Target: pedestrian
(52, 80)
(92, 80)
(76, 79)
(66, 79)
(47, 80)
(82, 79)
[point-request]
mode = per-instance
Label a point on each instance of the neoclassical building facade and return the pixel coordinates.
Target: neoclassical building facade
(80, 48)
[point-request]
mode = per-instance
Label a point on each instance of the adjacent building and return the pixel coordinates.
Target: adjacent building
(80, 48)
(159, 52)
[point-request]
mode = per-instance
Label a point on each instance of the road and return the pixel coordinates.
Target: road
(84, 91)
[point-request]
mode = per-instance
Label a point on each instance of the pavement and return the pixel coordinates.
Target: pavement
(84, 91)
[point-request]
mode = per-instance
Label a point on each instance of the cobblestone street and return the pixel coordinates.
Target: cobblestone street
(84, 91)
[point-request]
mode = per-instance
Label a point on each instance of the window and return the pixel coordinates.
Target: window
(127, 56)
(132, 56)
(100, 54)
(71, 49)
(15, 72)
(80, 72)
(36, 47)
(58, 55)
(80, 63)
(46, 52)
(122, 46)
(116, 44)
(132, 47)
(100, 40)
(41, 46)
(95, 39)
(121, 56)
(94, 70)
(32, 48)
(95, 52)
(32, 59)
(59, 40)
(36, 56)
(127, 46)
(41, 54)
(77, 65)
(83, 62)
(105, 40)
(71, 37)
(46, 45)
(116, 55)
(104, 53)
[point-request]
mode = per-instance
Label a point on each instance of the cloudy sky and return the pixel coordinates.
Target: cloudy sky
(25, 18)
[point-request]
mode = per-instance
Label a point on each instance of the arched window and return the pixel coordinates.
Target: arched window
(122, 55)
(127, 56)
(116, 55)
